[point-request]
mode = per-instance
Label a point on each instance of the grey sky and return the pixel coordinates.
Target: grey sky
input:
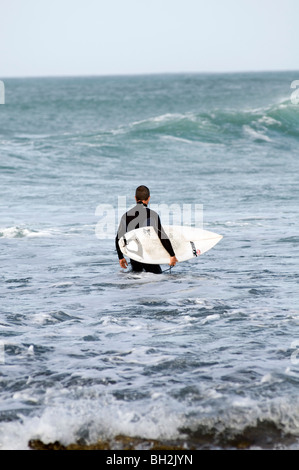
(100, 37)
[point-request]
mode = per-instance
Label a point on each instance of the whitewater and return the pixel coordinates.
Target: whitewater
(202, 356)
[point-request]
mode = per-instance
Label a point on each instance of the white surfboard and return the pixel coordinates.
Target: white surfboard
(144, 245)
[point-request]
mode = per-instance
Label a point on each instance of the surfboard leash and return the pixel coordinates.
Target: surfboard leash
(168, 269)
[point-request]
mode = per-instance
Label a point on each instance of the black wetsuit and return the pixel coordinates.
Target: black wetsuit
(141, 216)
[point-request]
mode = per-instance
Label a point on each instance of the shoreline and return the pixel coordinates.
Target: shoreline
(265, 437)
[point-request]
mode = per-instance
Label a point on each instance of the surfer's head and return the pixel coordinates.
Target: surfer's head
(142, 193)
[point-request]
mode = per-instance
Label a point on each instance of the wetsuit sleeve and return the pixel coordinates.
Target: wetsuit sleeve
(164, 238)
(120, 232)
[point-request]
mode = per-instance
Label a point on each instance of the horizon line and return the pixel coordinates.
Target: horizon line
(142, 74)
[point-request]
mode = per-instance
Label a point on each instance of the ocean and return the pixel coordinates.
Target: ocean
(203, 356)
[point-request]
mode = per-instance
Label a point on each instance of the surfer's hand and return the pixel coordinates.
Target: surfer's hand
(173, 261)
(123, 263)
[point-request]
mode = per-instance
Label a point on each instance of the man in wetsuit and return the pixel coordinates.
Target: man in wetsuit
(141, 216)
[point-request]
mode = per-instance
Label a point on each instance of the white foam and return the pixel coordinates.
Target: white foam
(24, 232)
(210, 318)
(20, 232)
(255, 135)
(102, 417)
(269, 121)
(53, 425)
(244, 402)
(163, 118)
(177, 139)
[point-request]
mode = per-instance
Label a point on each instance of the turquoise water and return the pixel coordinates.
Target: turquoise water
(210, 348)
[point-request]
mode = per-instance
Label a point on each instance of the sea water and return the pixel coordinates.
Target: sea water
(210, 348)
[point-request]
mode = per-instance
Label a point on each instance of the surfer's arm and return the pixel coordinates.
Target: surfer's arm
(168, 247)
(164, 239)
(120, 232)
(119, 253)
(172, 261)
(123, 263)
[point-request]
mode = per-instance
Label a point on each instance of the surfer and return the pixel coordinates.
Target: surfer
(141, 216)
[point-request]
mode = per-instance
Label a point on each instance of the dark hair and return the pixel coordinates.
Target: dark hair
(142, 193)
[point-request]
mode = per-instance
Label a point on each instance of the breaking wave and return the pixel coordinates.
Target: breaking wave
(219, 125)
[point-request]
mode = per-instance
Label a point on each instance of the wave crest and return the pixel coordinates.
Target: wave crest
(21, 232)
(217, 125)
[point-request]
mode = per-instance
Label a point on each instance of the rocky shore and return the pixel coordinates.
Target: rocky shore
(264, 436)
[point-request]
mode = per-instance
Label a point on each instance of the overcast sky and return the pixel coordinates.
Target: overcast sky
(103, 37)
